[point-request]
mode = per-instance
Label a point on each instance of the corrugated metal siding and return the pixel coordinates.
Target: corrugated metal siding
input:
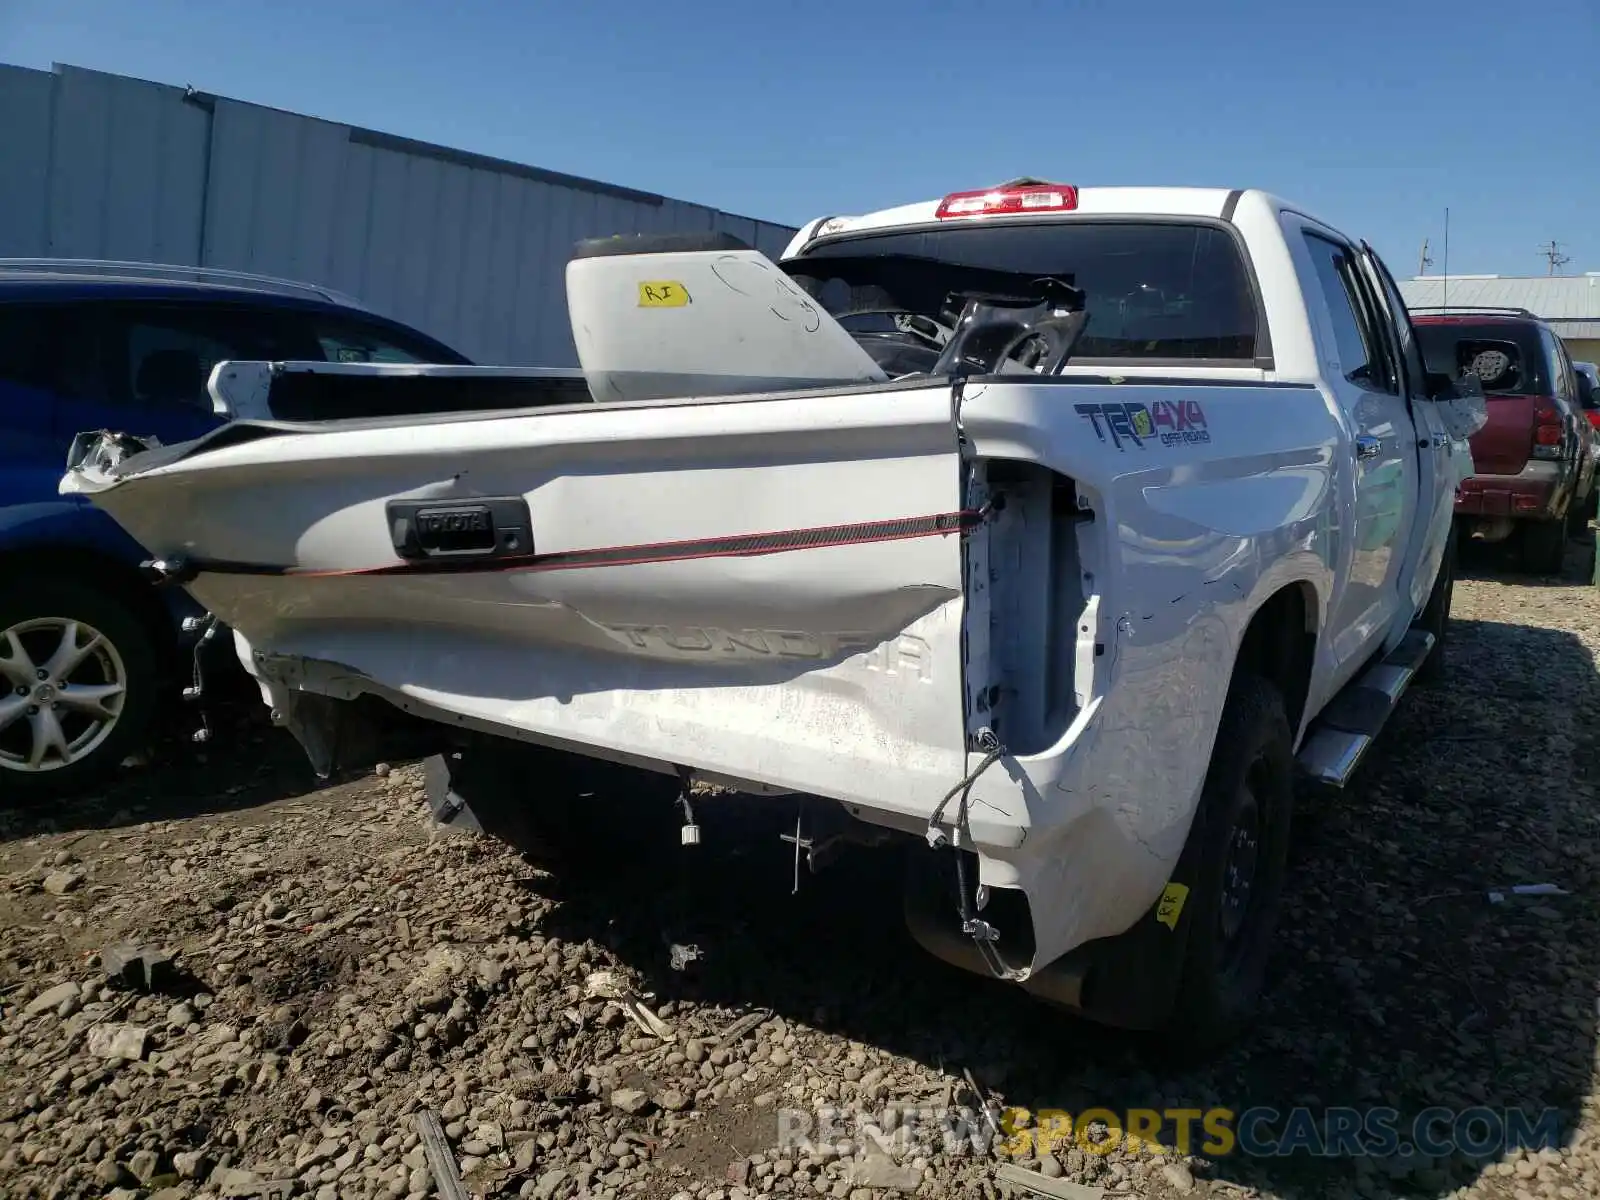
(470, 249)
(127, 170)
(1576, 329)
(25, 98)
(1555, 297)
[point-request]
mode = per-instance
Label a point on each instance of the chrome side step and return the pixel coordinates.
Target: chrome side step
(1344, 731)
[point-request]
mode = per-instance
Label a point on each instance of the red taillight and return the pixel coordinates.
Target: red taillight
(1594, 417)
(1547, 432)
(1547, 426)
(1028, 197)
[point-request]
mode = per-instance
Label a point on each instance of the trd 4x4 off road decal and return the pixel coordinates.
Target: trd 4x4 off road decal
(1169, 422)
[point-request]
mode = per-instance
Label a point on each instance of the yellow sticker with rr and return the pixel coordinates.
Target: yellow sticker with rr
(1171, 906)
(662, 293)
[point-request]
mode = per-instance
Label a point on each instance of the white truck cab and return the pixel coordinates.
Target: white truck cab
(1056, 533)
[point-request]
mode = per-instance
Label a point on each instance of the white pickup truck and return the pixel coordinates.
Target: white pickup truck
(1049, 535)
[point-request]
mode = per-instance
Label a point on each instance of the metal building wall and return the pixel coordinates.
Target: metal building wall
(470, 249)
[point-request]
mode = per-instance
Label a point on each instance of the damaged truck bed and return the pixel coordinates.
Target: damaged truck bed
(1038, 531)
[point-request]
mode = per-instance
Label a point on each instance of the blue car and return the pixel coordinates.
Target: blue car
(89, 651)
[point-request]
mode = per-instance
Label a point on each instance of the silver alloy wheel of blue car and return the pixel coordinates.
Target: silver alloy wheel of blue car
(64, 688)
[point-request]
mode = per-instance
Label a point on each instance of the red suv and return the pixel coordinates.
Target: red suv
(1535, 458)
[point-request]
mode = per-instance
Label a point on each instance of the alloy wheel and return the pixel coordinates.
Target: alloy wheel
(62, 688)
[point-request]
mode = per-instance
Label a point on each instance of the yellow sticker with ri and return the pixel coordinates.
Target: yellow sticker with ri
(1171, 906)
(662, 293)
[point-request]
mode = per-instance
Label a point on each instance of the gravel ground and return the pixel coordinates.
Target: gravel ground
(337, 966)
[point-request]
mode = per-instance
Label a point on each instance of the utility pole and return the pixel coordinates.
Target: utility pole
(1426, 262)
(1444, 292)
(1552, 254)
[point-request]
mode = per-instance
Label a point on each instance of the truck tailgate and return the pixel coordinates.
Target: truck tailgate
(766, 588)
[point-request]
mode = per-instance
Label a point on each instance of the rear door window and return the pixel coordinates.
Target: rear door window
(52, 348)
(1156, 291)
(161, 355)
(1566, 387)
(23, 360)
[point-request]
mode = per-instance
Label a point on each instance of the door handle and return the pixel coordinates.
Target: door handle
(1367, 446)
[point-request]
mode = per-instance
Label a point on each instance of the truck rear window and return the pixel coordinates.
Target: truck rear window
(1155, 291)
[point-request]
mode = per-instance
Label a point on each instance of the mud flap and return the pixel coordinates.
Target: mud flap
(1128, 981)
(341, 737)
(1132, 979)
(529, 796)
(483, 789)
(446, 806)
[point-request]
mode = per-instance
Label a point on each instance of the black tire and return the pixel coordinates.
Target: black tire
(131, 646)
(1248, 795)
(1580, 511)
(1577, 516)
(1435, 617)
(1543, 545)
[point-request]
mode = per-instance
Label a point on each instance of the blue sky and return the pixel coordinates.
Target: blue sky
(1376, 114)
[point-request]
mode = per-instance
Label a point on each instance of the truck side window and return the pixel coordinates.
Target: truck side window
(1378, 333)
(1364, 355)
(1408, 353)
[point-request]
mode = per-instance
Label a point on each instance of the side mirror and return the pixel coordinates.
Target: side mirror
(1586, 396)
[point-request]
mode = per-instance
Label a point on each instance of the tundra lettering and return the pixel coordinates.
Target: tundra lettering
(740, 643)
